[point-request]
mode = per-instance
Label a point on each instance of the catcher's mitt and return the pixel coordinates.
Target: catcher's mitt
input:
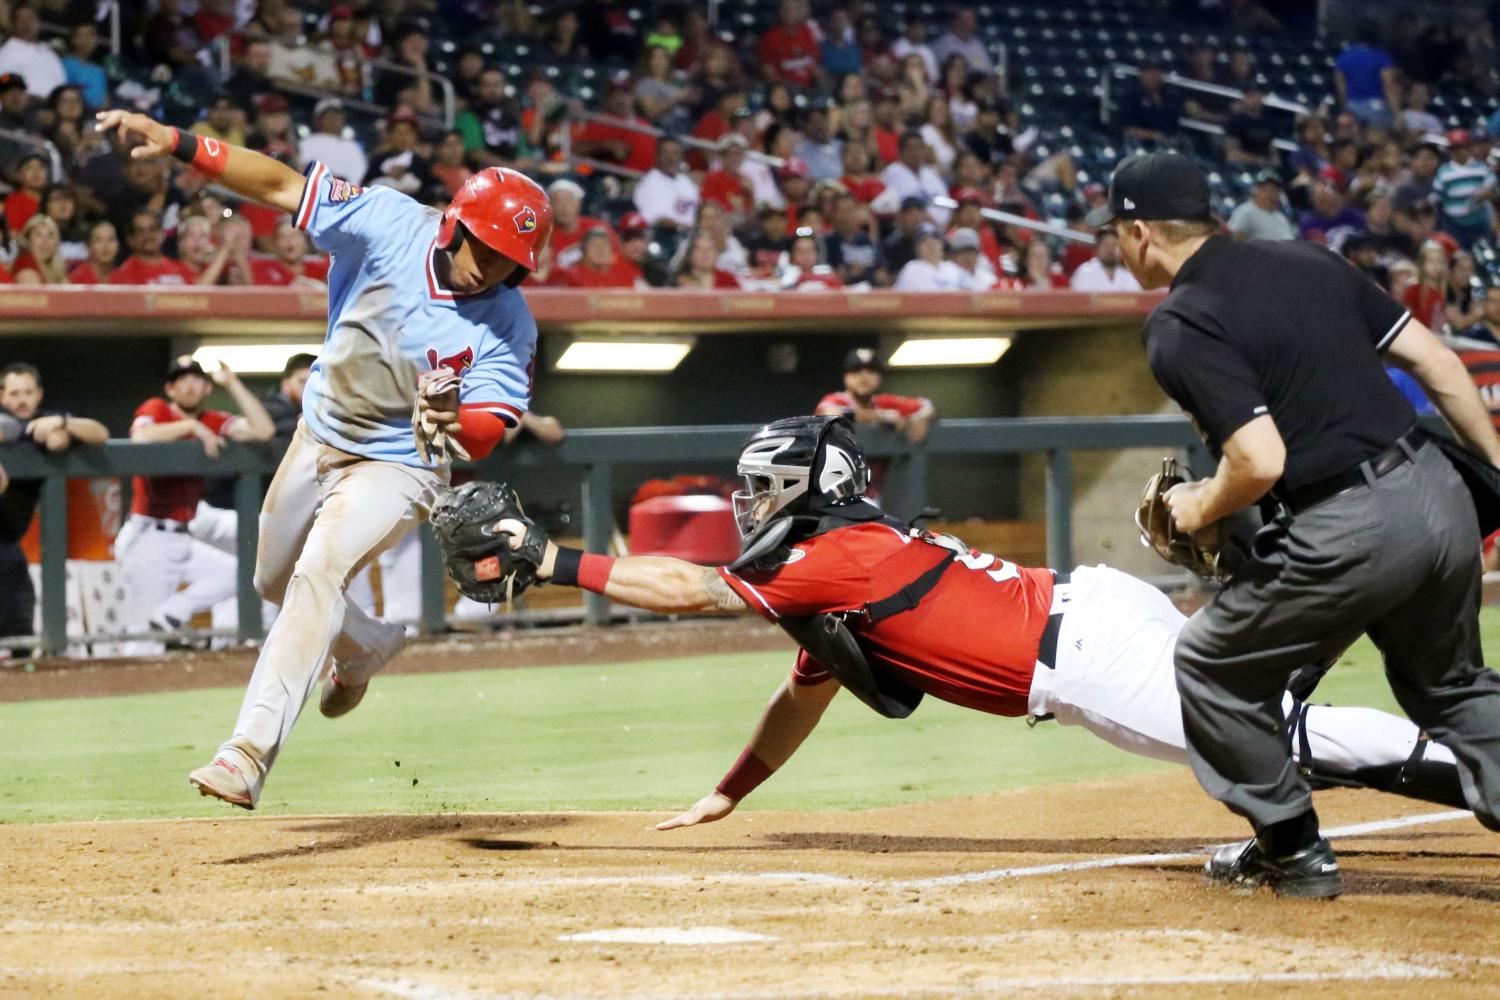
(480, 557)
(436, 390)
(1154, 519)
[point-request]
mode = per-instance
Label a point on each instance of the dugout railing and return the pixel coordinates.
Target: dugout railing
(598, 457)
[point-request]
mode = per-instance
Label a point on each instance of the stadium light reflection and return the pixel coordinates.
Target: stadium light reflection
(925, 352)
(623, 355)
(251, 359)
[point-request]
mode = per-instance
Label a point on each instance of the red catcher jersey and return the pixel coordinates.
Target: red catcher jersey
(972, 641)
(172, 498)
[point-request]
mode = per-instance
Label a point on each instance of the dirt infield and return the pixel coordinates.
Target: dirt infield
(1037, 892)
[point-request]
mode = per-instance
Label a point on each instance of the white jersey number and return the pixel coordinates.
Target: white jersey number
(980, 561)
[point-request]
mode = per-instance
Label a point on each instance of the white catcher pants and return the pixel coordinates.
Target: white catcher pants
(1114, 677)
(327, 515)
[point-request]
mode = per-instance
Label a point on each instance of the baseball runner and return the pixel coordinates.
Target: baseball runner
(895, 613)
(1277, 349)
(427, 355)
(156, 552)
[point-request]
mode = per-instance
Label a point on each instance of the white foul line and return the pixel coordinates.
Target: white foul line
(1125, 860)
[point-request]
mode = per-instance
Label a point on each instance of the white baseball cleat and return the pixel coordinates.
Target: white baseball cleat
(342, 692)
(223, 779)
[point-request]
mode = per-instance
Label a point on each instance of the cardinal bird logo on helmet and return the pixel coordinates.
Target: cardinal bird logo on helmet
(526, 220)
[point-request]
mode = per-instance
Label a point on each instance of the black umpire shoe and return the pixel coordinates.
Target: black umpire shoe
(1311, 873)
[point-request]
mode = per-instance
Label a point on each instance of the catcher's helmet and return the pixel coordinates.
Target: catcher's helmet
(796, 465)
(506, 211)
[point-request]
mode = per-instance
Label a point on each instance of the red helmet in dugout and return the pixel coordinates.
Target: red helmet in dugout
(506, 211)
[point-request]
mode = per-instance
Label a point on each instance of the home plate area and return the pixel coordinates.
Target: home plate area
(1089, 889)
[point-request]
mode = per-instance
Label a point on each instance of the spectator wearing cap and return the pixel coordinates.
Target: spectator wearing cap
(900, 245)
(224, 121)
(962, 39)
(327, 143)
(347, 48)
(1261, 217)
(396, 162)
(851, 249)
(859, 177)
(1363, 251)
(793, 183)
(1464, 186)
(1415, 119)
(147, 265)
(1147, 112)
(81, 68)
(272, 132)
(23, 53)
(1106, 272)
(862, 401)
(928, 271)
(789, 51)
(635, 239)
(599, 266)
(725, 184)
(970, 215)
(804, 269)
(1330, 220)
(16, 112)
(667, 196)
(1248, 136)
(819, 148)
(569, 224)
(912, 176)
(964, 250)
(1367, 79)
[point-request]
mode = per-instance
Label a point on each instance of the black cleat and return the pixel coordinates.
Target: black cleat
(1311, 873)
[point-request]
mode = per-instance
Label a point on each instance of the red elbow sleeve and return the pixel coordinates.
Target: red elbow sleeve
(481, 426)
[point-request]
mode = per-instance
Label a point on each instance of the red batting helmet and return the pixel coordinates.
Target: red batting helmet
(506, 211)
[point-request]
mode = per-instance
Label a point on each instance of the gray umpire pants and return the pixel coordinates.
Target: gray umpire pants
(1398, 560)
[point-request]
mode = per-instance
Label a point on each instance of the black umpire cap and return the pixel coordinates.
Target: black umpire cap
(862, 358)
(1154, 187)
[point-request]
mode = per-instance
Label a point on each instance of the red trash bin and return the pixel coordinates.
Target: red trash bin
(699, 528)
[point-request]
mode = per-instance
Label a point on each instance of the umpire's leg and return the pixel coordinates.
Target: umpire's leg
(1430, 641)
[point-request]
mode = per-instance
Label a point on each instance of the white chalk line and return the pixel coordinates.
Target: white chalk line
(1126, 860)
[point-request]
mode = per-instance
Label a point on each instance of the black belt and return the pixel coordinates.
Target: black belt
(1388, 461)
(1047, 652)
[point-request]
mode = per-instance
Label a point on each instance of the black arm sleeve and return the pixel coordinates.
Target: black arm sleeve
(1205, 376)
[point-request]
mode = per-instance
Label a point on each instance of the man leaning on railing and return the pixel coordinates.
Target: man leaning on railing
(25, 423)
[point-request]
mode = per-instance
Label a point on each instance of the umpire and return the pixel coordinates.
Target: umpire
(1277, 351)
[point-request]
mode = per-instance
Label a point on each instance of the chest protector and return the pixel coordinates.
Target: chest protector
(832, 638)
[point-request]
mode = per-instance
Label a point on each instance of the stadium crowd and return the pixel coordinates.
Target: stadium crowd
(842, 150)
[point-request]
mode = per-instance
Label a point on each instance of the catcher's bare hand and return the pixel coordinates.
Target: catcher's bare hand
(1186, 502)
(156, 138)
(514, 533)
(709, 809)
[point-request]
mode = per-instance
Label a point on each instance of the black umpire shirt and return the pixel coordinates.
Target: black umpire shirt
(1288, 328)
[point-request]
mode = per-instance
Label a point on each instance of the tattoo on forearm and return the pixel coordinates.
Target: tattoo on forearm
(723, 596)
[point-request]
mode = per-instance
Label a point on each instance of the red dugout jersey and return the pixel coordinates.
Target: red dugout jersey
(885, 402)
(173, 498)
(972, 641)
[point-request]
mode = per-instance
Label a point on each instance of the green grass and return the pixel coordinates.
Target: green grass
(653, 735)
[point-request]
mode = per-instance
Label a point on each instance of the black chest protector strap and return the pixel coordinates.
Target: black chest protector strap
(830, 639)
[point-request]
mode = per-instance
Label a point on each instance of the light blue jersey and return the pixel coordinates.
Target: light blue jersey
(389, 321)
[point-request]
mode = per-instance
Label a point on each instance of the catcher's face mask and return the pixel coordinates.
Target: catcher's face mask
(769, 489)
(795, 462)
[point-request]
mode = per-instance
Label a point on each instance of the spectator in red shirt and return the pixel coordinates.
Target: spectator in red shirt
(104, 252)
(699, 266)
(887, 128)
(725, 185)
(715, 124)
(1427, 299)
(1037, 269)
(866, 404)
(154, 549)
(600, 266)
(31, 179)
(147, 265)
(628, 147)
(790, 50)
(806, 271)
(569, 224)
(291, 264)
(41, 263)
(859, 178)
(1076, 252)
(448, 162)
